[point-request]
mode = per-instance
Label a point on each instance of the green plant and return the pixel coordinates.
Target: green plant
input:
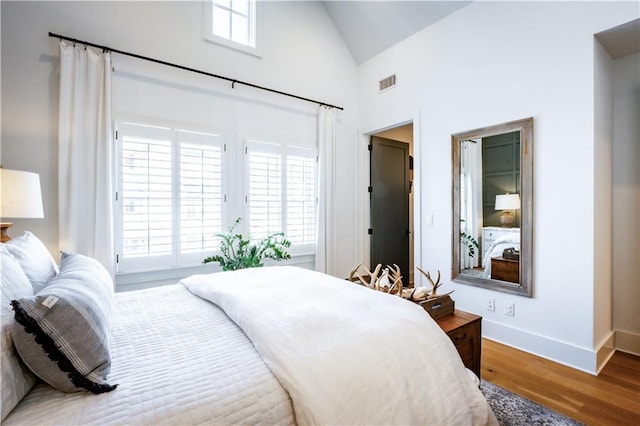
(238, 252)
(469, 241)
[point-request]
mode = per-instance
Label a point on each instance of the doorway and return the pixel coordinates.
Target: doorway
(391, 199)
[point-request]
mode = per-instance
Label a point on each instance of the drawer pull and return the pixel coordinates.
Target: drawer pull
(458, 338)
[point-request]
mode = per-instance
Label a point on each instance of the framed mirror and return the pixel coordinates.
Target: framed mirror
(493, 206)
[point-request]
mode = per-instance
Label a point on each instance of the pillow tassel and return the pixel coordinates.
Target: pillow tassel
(53, 352)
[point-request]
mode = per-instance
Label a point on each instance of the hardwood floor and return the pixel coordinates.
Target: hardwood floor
(611, 398)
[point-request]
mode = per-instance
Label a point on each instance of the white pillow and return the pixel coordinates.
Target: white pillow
(34, 258)
(17, 379)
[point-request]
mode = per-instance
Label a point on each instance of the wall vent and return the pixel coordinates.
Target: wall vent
(388, 83)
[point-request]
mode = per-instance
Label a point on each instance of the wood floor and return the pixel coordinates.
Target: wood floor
(611, 398)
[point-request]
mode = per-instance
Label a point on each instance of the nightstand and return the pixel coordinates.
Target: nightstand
(505, 269)
(465, 330)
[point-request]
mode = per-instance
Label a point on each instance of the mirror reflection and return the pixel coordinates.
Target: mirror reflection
(492, 200)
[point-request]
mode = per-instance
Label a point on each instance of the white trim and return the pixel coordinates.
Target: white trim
(627, 341)
(253, 50)
(140, 280)
(605, 351)
(580, 358)
(363, 221)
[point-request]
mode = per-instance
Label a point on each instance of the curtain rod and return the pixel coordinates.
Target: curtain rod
(169, 64)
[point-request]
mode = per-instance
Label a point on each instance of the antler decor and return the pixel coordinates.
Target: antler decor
(434, 285)
(390, 281)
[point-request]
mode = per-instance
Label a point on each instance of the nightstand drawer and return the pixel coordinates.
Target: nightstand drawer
(465, 331)
(465, 341)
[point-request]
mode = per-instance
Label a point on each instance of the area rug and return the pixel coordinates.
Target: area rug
(513, 410)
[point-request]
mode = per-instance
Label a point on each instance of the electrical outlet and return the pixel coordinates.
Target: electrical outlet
(509, 308)
(491, 304)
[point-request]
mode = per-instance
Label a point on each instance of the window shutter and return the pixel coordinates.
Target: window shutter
(146, 191)
(264, 190)
(201, 193)
(301, 195)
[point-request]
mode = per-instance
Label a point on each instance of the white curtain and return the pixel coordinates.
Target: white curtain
(84, 154)
(471, 202)
(325, 236)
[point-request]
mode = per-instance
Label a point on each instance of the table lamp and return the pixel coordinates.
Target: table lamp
(20, 198)
(506, 203)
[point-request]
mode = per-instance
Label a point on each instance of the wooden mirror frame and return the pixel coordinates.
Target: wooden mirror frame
(525, 286)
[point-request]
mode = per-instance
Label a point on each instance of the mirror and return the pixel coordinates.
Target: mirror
(492, 207)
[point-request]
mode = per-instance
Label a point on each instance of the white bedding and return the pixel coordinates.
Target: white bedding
(178, 360)
(511, 240)
(347, 354)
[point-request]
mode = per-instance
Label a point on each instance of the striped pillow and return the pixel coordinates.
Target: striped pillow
(62, 333)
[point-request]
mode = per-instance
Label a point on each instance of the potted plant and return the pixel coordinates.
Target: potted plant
(468, 241)
(238, 252)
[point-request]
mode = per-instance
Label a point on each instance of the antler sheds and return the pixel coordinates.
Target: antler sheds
(435, 284)
(395, 272)
(353, 272)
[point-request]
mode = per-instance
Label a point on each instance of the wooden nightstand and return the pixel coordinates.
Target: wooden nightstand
(505, 269)
(465, 330)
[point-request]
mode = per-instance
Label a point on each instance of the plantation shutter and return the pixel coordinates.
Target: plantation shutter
(264, 192)
(281, 193)
(301, 196)
(146, 191)
(201, 191)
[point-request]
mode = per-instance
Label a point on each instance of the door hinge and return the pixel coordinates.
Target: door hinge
(116, 195)
(370, 147)
(370, 231)
(116, 134)
(370, 189)
(117, 258)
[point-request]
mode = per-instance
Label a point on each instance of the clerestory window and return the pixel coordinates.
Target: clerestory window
(232, 23)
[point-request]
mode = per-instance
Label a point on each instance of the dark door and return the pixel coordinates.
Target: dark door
(390, 204)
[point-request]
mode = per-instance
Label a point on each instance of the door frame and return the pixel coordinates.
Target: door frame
(364, 208)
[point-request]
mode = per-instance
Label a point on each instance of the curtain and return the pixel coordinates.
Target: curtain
(85, 205)
(325, 236)
(471, 202)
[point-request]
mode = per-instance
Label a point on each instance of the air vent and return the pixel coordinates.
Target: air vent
(388, 83)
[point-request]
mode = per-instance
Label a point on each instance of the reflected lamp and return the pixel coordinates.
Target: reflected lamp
(506, 203)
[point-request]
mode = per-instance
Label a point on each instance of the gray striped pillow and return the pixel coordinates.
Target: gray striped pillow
(62, 333)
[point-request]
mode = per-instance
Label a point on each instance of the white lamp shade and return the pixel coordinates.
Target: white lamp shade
(507, 202)
(20, 194)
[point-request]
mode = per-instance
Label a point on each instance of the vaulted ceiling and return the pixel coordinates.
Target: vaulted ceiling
(370, 27)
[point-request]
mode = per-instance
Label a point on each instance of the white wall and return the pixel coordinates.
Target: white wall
(302, 54)
(626, 203)
(489, 63)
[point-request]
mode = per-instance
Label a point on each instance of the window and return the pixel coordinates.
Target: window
(178, 189)
(281, 192)
(170, 196)
(231, 23)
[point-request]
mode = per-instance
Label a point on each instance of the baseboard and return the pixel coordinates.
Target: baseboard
(580, 358)
(626, 341)
(605, 351)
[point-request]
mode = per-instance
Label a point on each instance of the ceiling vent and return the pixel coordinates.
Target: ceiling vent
(388, 83)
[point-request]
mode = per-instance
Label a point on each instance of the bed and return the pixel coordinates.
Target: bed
(510, 240)
(277, 345)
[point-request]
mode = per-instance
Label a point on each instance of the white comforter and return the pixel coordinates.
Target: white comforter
(178, 360)
(347, 354)
(497, 247)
